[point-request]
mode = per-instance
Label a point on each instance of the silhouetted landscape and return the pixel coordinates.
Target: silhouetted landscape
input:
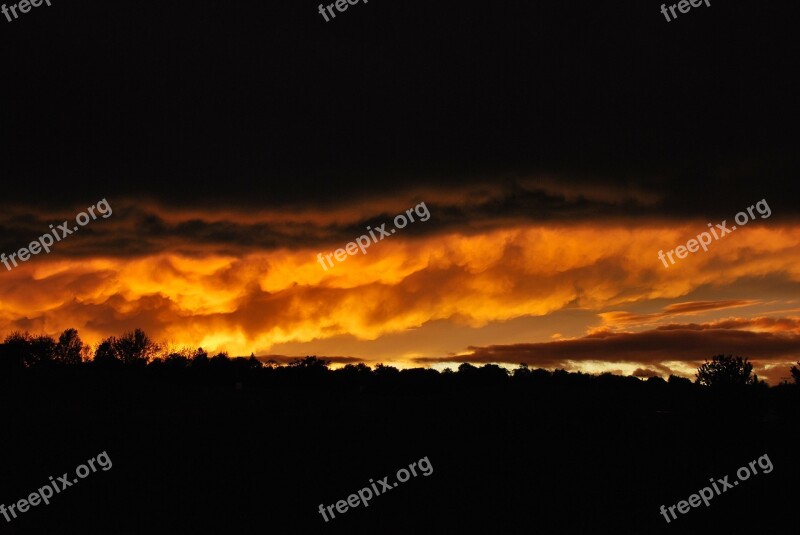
(214, 444)
(399, 267)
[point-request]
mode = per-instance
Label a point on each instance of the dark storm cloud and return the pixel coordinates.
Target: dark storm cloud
(265, 104)
(691, 343)
(145, 227)
(139, 228)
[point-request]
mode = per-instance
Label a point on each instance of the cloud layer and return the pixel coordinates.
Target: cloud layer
(249, 281)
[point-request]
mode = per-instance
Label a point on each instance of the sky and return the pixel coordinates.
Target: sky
(556, 147)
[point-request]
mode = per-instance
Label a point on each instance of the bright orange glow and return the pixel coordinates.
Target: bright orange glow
(250, 303)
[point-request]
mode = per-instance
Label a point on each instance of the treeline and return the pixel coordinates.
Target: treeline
(135, 351)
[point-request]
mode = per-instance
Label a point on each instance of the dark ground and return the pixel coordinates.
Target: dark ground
(551, 455)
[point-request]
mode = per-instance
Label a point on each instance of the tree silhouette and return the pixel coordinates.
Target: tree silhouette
(677, 380)
(21, 350)
(133, 347)
(42, 350)
(522, 371)
(726, 371)
(311, 364)
(220, 360)
(136, 347)
(199, 359)
(15, 350)
(69, 349)
(796, 374)
(253, 363)
(381, 370)
(106, 352)
(24, 350)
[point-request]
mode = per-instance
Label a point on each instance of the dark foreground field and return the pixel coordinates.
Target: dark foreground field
(530, 454)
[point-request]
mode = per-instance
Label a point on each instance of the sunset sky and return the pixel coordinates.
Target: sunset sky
(555, 165)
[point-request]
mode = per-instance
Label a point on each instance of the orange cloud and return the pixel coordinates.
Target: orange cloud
(676, 309)
(185, 284)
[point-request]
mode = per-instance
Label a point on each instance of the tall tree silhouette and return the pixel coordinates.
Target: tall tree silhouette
(106, 352)
(24, 350)
(136, 347)
(133, 347)
(42, 350)
(15, 350)
(69, 349)
(726, 371)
